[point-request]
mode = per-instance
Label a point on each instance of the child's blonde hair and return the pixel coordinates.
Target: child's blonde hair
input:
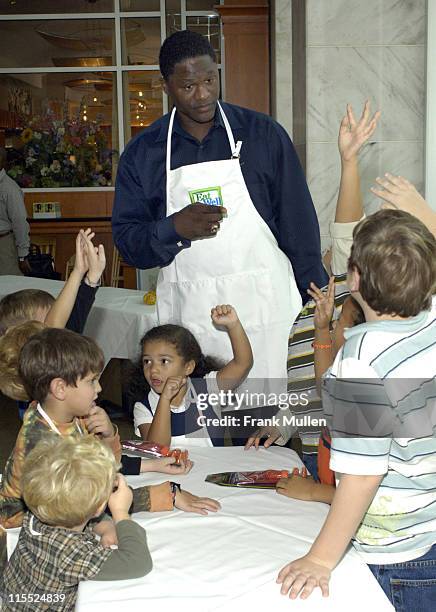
(65, 481)
(10, 347)
(23, 306)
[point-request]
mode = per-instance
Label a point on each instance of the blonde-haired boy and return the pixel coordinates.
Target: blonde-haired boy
(66, 483)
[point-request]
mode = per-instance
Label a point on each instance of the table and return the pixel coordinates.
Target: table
(229, 560)
(117, 321)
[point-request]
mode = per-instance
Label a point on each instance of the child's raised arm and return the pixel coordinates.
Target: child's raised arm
(398, 192)
(60, 312)
(352, 136)
(232, 374)
(322, 344)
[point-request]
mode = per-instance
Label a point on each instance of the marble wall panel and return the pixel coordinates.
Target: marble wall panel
(393, 78)
(373, 22)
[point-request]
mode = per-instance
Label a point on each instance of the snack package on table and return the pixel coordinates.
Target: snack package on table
(151, 450)
(266, 479)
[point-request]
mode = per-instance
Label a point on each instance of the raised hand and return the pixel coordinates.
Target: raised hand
(353, 134)
(224, 315)
(399, 193)
(81, 261)
(95, 256)
(324, 304)
(198, 221)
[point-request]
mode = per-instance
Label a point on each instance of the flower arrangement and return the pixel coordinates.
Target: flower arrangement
(68, 153)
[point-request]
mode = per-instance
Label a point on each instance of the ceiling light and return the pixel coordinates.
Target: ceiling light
(140, 94)
(137, 116)
(94, 99)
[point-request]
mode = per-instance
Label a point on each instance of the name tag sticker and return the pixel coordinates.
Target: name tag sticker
(210, 195)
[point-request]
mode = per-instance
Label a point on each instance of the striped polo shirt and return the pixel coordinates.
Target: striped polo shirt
(396, 361)
(301, 367)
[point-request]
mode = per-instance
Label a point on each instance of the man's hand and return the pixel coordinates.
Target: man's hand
(353, 134)
(325, 304)
(302, 576)
(224, 315)
(191, 503)
(98, 422)
(120, 500)
(270, 433)
(198, 221)
(166, 465)
(25, 266)
(172, 386)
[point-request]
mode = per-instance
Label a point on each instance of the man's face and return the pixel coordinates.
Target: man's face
(194, 88)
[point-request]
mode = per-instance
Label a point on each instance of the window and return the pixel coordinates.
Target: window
(80, 78)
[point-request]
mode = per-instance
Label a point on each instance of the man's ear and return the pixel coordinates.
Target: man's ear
(354, 280)
(58, 388)
(164, 85)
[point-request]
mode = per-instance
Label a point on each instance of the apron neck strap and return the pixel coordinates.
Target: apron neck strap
(233, 147)
(50, 423)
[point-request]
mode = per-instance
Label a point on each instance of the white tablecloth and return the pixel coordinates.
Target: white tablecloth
(117, 321)
(230, 560)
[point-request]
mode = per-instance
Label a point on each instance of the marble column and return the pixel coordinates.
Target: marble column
(357, 50)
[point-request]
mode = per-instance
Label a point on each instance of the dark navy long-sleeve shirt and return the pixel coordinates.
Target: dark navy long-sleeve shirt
(146, 238)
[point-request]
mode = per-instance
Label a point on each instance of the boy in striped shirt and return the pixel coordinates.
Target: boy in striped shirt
(385, 502)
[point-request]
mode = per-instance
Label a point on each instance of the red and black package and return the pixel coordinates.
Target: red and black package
(152, 450)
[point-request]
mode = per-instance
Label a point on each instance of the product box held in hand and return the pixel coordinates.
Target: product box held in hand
(266, 479)
(152, 450)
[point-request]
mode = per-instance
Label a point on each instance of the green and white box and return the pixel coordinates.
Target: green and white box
(209, 195)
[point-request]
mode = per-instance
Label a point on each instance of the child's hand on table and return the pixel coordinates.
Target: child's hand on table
(120, 500)
(270, 433)
(325, 303)
(107, 532)
(192, 503)
(297, 486)
(302, 576)
(166, 465)
(224, 315)
(98, 422)
(172, 386)
(95, 257)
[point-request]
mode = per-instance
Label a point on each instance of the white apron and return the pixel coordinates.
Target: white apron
(241, 265)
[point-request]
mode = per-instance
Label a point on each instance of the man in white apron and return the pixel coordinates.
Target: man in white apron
(207, 258)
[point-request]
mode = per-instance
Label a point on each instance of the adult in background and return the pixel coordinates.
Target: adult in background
(14, 229)
(215, 196)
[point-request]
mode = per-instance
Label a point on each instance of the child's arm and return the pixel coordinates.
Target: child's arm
(160, 428)
(306, 489)
(400, 193)
(98, 423)
(322, 343)
(166, 465)
(60, 312)
(232, 374)
(350, 502)
(132, 559)
(352, 135)
(85, 298)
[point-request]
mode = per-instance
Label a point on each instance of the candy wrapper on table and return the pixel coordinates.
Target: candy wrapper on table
(153, 450)
(266, 479)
